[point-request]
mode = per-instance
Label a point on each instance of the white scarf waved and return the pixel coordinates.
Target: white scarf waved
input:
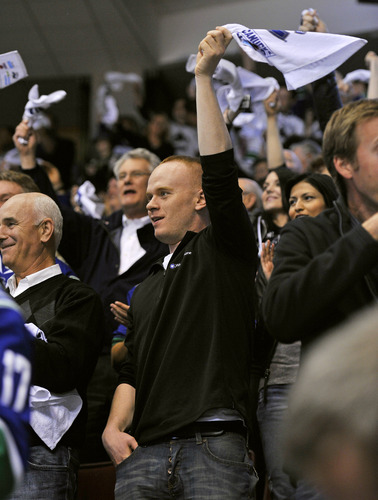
(302, 57)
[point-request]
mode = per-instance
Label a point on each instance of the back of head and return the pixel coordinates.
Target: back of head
(309, 146)
(143, 153)
(250, 186)
(46, 207)
(340, 140)
(335, 400)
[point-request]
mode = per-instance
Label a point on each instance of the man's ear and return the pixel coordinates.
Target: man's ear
(46, 230)
(343, 167)
(201, 200)
(249, 200)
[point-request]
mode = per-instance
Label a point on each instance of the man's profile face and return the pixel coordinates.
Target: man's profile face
(365, 176)
(20, 241)
(7, 190)
(172, 194)
(132, 184)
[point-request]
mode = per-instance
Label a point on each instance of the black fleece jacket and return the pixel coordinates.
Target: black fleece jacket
(191, 325)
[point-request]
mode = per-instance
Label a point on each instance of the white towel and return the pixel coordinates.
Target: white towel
(227, 84)
(259, 88)
(51, 414)
(36, 104)
(358, 75)
(302, 57)
(116, 79)
(232, 83)
(107, 106)
(88, 200)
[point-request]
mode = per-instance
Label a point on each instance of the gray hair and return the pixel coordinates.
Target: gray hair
(143, 153)
(45, 207)
(308, 146)
(335, 398)
(253, 187)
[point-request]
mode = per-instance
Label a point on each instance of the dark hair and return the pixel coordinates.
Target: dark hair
(322, 182)
(24, 181)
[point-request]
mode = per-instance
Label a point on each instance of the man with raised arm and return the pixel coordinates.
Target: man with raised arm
(181, 412)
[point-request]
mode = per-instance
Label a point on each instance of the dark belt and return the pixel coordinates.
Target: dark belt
(206, 429)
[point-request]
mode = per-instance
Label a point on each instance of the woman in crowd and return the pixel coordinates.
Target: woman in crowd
(308, 195)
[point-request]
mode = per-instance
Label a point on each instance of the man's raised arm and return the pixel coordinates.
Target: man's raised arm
(213, 136)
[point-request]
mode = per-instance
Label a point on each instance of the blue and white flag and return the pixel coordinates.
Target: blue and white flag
(302, 57)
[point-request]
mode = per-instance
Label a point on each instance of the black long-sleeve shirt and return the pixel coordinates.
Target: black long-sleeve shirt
(191, 325)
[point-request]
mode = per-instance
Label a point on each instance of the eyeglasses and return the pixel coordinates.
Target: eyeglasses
(132, 174)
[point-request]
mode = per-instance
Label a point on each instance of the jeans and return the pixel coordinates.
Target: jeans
(200, 468)
(51, 475)
(270, 416)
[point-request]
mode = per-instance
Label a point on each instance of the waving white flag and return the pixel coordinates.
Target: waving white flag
(302, 57)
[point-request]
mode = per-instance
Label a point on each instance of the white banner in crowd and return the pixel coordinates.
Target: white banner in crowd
(232, 83)
(12, 68)
(302, 57)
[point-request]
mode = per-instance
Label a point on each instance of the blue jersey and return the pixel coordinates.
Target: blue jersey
(15, 375)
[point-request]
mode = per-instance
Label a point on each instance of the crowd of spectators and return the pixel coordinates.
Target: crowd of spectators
(312, 204)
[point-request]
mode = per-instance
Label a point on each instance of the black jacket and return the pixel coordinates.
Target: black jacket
(325, 269)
